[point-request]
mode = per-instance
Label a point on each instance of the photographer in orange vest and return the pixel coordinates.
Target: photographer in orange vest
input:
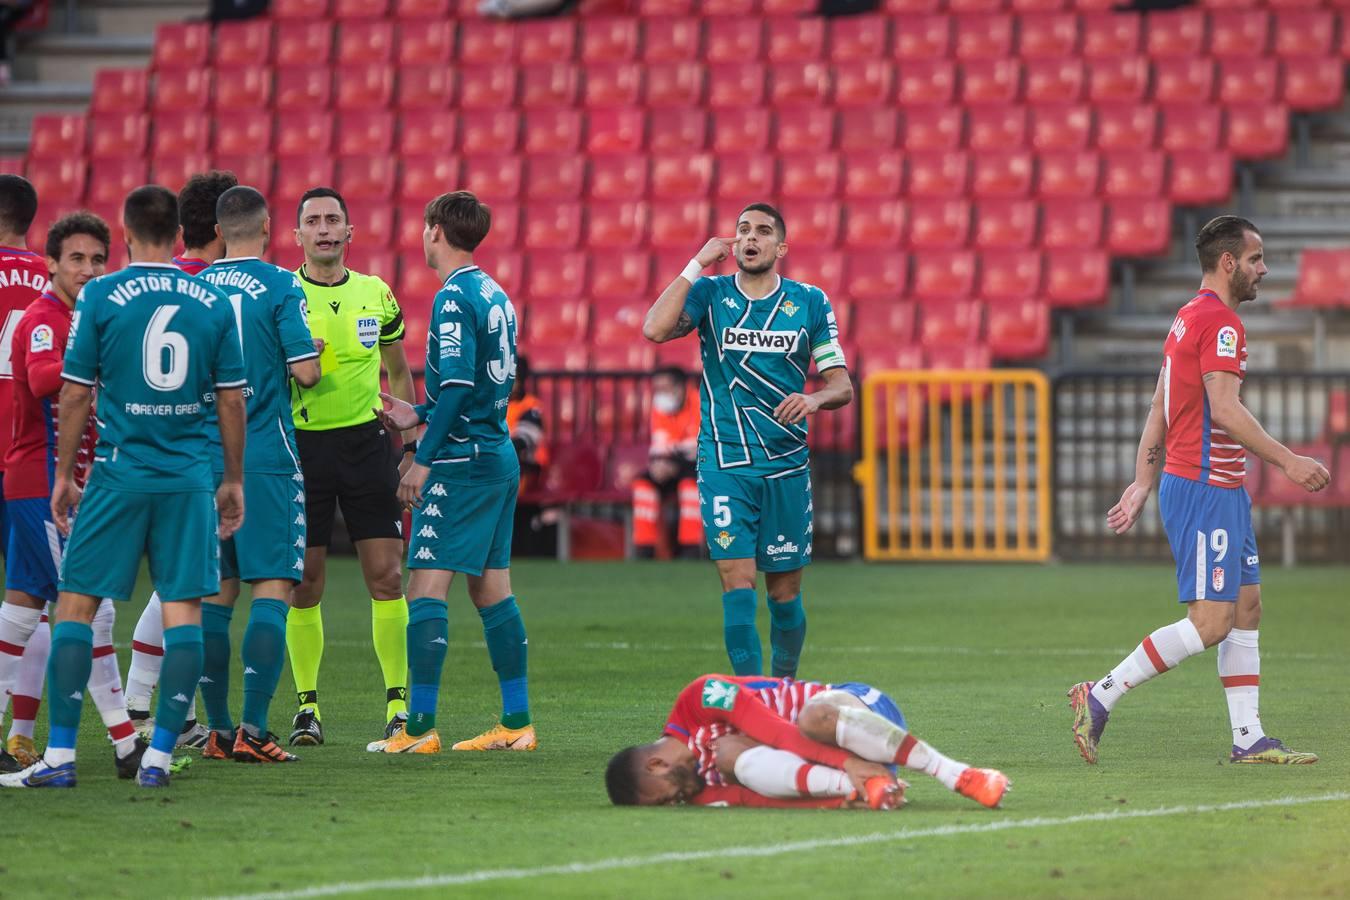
(670, 478)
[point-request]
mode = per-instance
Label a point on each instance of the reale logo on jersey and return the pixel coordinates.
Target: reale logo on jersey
(41, 340)
(1226, 344)
(752, 340)
(724, 540)
(367, 331)
(1216, 578)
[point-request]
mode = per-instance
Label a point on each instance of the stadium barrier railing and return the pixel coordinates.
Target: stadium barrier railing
(956, 465)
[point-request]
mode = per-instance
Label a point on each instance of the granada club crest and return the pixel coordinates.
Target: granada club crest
(1216, 578)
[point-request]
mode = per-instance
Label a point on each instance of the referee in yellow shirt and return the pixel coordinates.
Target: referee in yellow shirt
(347, 457)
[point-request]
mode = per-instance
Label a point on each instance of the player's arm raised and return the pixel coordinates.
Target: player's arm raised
(1228, 412)
(1148, 462)
(667, 320)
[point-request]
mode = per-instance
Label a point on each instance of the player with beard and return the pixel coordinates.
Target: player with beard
(759, 333)
(1198, 433)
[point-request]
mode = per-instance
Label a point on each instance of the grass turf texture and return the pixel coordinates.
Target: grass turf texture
(978, 657)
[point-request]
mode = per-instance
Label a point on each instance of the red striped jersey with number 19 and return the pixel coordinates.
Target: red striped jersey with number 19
(1206, 336)
(23, 277)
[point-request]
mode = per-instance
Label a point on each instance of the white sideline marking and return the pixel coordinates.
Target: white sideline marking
(750, 852)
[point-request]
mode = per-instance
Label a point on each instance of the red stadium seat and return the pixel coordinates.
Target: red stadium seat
(968, 7)
(555, 176)
(243, 89)
(615, 131)
(557, 323)
(893, 322)
(1183, 80)
(616, 223)
(181, 46)
(303, 133)
(925, 82)
(365, 87)
(951, 320)
(869, 275)
(181, 132)
(493, 177)
(960, 357)
(1007, 173)
(120, 91)
(938, 174)
(304, 10)
(1127, 126)
(867, 82)
(854, 39)
(1139, 227)
(994, 128)
(553, 226)
(870, 174)
(55, 137)
(485, 87)
(728, 40)
(1060, 127)
(1005, 224)
(1257, 130)
(360, 9)
(491, 131)
(740, 130)
(1200, 177)
(485, 43)
(302, 88)
(672, 40)
(996, 81)
(939, 224)
(870, 129)
(773, 8)
(679, 176)
(803, 129)
(983, 36)
(242, 43)
(1323, 278)
(183, 90)
(618, 278)
(799, 83)
(506, 227)
(1069, 224)
(791, 40)
(428, 176)
(118, 135)
(1055, 80)
(372, 221)
(57, 179)
(923, 37)
(1009, 275)
(677, 130)
(911, 7)
(428, 42)
(546, 40)
(675, 223)
(1239, 34)
(244, 132)
(365, 42)
(1076, 277)
(933, 128)
(609, 39)
(613, 85)
(1191, 126)
(1068, 173)
(1108, 35)
(1121, 79)
(506, 268)
(823, 268)
(308, 43)
(618, 177)
(1303, 33)
(733, 84)
(1248, 81)
(366, 132)
(297, 174)
(111, 180)
(1175, 33)
(426, 132)
(1047, 35)
(544, 85)
(1037, 6)
(421, 9)
(674, 84)
(1019, 331)
(813, 222)
(1313, 83)
(740, 178)
(877, 356)
(879, 224)
(411, 224)
(174, 171)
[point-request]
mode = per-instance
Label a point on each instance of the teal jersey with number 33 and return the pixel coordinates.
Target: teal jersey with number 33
(156, 343)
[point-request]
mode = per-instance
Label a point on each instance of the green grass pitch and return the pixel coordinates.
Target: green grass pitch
(979, 658)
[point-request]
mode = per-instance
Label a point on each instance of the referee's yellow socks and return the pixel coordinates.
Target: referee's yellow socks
(389, 631)
(304, 640)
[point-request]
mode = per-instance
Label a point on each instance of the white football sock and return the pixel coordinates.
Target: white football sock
(786, 776)
(105, 682)
(147, 655)
(878, 739)
(1240, 673)
(1164, 649)
(17, 624)
(156, 759)
(58, 756)
(31, 673)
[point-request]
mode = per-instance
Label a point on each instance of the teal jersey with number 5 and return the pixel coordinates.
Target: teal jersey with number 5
(472, 342)
(156, 343)
(269, 311)
(756, 353)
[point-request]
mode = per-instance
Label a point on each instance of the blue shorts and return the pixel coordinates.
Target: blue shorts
(114, 529)
(1213, 542)
(463, 527)
(271, 543)
(751, 517)
(874, 700)
(33, 558)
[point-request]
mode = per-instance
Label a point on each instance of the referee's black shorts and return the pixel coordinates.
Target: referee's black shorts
(356, 467)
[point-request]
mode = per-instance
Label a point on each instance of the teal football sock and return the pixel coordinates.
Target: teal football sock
(68, 668)
(504, 631)
(216, 665)
(738, 630)
(787, 633)
(263, 653)
(178, 678)
(428, 640)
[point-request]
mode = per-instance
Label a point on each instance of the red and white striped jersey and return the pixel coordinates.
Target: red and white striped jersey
(1206, 336)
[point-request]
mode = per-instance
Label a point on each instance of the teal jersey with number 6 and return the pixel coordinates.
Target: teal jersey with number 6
(156, 343)
(269, 311)
(472, 342)
(756, 353)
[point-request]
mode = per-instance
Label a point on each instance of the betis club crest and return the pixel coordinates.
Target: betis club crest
(724, 540)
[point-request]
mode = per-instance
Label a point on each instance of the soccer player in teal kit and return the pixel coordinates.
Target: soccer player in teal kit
(759, 333)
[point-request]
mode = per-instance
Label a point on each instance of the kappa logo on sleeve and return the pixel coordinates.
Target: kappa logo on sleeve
(1227, 341)
(41, 339)
(719, 694)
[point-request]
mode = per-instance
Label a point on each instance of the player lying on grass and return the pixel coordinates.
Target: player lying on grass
(755, 741)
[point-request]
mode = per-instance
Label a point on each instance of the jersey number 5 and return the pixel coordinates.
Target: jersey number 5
(164, 353)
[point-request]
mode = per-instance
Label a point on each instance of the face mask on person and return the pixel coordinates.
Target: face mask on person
(666, 403)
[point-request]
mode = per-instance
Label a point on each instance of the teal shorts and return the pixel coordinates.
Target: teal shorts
(463, 527)
(114, 529)
(768, 519)
(272, 542)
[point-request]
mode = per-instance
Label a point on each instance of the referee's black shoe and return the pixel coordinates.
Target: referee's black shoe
(306, 729)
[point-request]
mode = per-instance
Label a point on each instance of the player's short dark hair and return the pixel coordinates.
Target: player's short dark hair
(151, 215)
(673, 372)
(18, 204)
(197, 205)
(621, 776)
(778, 224)
(77, 223)
(464, 219)
(240, 211)
(1223, 234)
(316, 192)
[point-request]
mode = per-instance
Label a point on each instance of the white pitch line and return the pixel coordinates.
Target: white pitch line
(760, 851)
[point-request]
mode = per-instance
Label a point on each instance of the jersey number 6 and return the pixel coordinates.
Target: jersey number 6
(164, 352)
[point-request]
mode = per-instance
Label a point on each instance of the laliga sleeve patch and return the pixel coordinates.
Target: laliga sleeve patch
(41, 339)
(1226, 343)
(719, 694)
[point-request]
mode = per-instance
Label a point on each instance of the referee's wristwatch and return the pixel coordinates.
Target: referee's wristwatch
(409, 447)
